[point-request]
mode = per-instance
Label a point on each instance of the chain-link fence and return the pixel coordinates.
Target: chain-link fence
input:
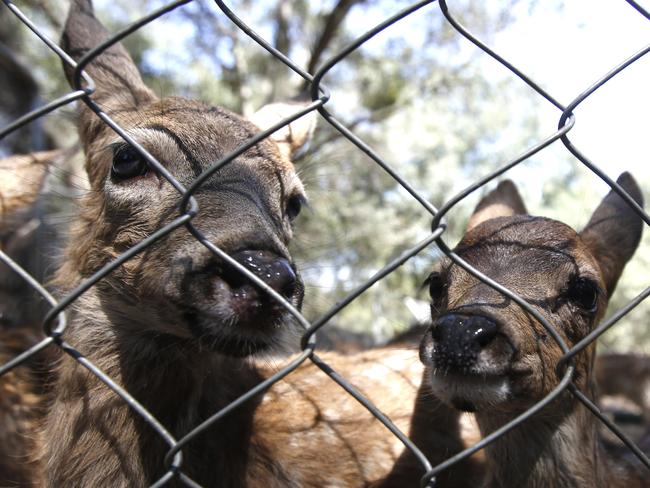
(55, 322)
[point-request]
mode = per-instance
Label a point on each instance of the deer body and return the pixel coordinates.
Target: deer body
(302, 433)
(183, 331)
(486, 354)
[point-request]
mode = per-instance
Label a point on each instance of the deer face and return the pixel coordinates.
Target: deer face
(484, 350)
(177, 287)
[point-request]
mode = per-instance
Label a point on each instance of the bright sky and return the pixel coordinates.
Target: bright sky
(564, 47)
(566, 50)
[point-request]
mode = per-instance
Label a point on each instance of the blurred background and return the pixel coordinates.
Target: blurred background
(439, 110)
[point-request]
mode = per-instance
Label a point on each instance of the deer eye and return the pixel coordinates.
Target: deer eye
(437, 288)
(583, 292)
(294, 206)
(127, 163)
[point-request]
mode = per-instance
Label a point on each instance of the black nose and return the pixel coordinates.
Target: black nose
(274, 270)
(458, 340)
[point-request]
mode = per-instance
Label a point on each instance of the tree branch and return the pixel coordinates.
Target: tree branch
(332, 23)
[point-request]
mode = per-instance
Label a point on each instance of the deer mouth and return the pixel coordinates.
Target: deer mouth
(229, 313)
(469, 358)
(470, 392)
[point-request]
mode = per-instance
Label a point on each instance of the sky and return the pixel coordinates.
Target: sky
(566, 50)
(564, 46)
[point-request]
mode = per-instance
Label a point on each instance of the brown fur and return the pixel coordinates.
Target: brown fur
(168, 328)
(15, 198)
(24, 237)
(623, 391)
(504, 201)
(304, 432)
(537, 259)
(22, 388)
(20, 410)
(626, 376)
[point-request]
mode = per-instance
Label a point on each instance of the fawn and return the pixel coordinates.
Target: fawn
(487, 355)
(183, 332)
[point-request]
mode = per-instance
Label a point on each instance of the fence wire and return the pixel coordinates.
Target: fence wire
(55, 322)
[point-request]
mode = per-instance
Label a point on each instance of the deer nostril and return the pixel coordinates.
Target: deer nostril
(445, 327)
(476, 330)
(483, 331)
(281, 277)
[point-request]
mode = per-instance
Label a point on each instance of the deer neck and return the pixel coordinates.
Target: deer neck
(179, 385)
(553, 449)
(169, 370)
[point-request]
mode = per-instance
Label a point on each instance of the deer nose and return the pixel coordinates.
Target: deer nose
(474, 330)
(274, 270)
(458, 340)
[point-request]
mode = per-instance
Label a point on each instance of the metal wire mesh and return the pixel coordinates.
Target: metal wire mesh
(55, 322)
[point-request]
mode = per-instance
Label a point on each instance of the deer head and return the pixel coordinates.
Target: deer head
(177, 287)
(483, 350)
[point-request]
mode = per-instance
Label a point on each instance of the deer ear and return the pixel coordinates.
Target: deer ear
(614, 231)
(118, 84)
(503, 201)
(291, 139)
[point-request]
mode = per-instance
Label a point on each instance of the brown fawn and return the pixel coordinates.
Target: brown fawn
(486, 354)
(185, 334)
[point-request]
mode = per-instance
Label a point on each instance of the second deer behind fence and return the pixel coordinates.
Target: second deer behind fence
(487, 354)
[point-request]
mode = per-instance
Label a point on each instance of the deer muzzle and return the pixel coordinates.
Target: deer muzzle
(272, 269)
(469, 358)
(456, 342)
